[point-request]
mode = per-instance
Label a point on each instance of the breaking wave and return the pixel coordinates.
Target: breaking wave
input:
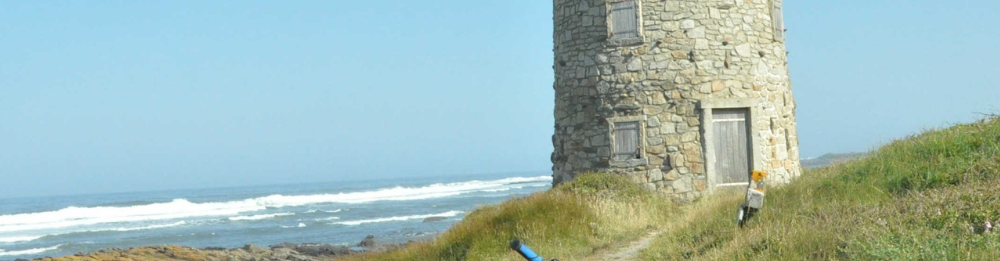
(324, 211)
(14, 239)
(28, 251)
(178, 223)
(401, 218)
(259, 217)
(32, 226)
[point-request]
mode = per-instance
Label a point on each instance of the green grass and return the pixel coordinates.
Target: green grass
(594, 212)
(926, 197)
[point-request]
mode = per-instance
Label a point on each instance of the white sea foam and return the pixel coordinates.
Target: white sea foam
(327, 219)
(259, 217)
(299, 225)
(28, 251)
(15, 239)
(31, 226)
(324, 211)
(25, 238)
(402, 218)
(124, 229)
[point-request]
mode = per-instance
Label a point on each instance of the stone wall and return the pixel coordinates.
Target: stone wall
(694, 54)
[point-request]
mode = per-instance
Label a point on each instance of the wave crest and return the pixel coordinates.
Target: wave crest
(31, 226)
(28, 251)
(401, 218)
(259, 217)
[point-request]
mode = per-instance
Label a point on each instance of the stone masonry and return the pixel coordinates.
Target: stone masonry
(685, 59)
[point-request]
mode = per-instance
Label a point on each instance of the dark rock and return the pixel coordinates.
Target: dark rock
(368, 242)
(298, 258)
(314, 249)
(252, 249)
(434, 219)
(214, 248)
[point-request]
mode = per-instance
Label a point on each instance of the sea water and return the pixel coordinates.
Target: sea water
(338, 213)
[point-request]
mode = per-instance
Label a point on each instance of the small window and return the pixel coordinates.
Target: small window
(778, 20)
(624, 22)
(626, 140)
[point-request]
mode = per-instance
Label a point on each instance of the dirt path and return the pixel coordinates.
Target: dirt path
(629, 252)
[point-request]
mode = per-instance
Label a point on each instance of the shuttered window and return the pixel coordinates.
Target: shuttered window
(626, 140)
(731, 145)
(624, 20)
(778, 20)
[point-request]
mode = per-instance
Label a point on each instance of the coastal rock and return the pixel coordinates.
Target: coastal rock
(368, 242)
(316, 249)
(255, 250)
(279, 252)
(289, 254)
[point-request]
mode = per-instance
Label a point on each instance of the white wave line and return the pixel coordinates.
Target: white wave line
(28, 251)
(259, 217)
(324, 211)
(78, 219)
(178, 223)
(402, 218)
(16, 239)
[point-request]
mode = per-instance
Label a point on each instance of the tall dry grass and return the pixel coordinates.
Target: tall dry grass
(593, 212)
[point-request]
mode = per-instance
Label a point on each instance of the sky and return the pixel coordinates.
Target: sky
(115, 96)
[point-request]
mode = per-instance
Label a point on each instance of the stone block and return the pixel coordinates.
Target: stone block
(654, 141)
(689, 136)
(671, 176)
(656, 150)
(701, 44)
(683, 184)
(699, 185)
(744, 50)
(655, 175)
(698, 32)
(687, 24)
(718, 86)
(653, 122)
(657, 98)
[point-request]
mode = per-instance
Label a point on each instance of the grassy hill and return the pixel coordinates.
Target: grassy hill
(926, 197)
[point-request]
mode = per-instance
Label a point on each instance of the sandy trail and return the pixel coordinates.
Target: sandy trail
(628, 252)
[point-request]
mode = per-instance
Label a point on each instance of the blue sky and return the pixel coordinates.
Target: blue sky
(117, 96)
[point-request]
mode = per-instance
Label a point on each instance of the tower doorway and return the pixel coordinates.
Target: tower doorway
(731, 143)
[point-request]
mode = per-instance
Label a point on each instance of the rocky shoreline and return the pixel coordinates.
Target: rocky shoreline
(249, 252)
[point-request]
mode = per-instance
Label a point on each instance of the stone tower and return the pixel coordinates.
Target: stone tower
(684, 96)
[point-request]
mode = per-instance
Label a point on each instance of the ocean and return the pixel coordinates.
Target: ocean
(337, 213)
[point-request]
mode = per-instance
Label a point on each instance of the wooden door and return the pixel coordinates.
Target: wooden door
(731, 142)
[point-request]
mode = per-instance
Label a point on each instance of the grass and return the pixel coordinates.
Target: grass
(592, 213)
(926, 197)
